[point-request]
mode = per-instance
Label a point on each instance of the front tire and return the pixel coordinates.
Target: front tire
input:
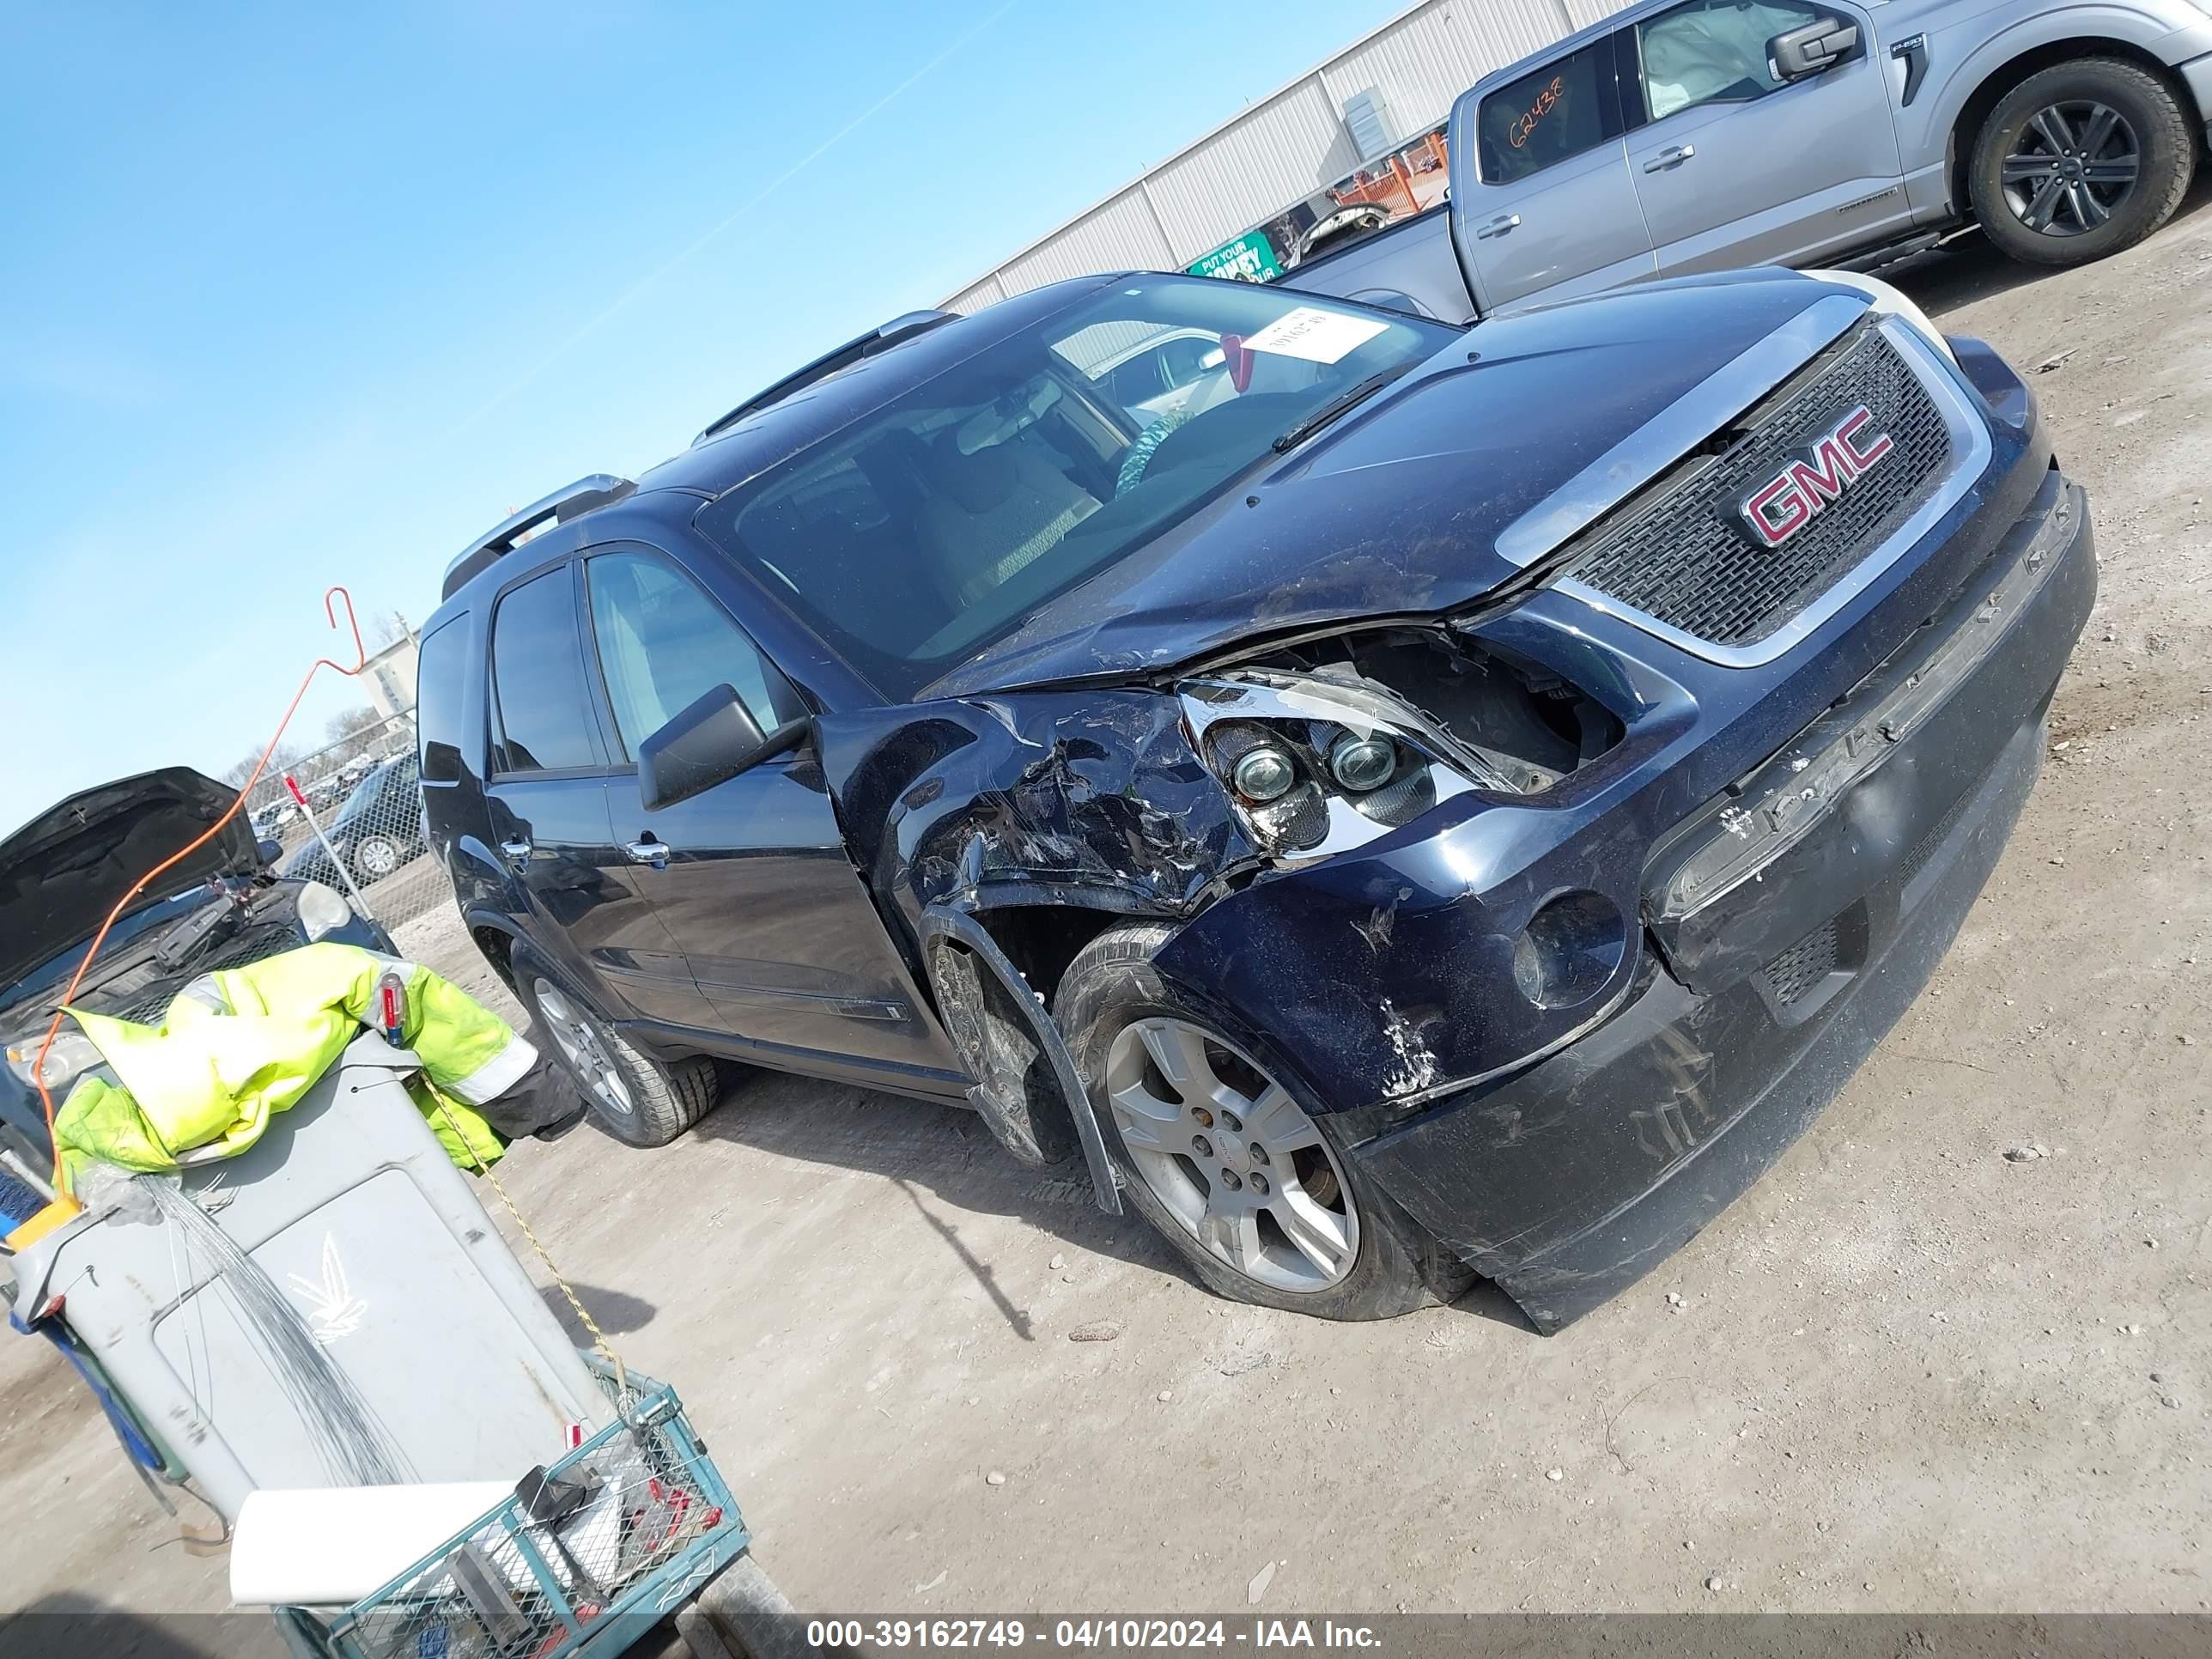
(2081, 160)
(1233, 1165)
(639, 1100)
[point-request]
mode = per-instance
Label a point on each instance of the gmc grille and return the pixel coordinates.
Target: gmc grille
(1682, 555)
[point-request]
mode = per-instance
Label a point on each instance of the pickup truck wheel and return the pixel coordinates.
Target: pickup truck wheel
(639, 1100)
(2081, 160)
(1227, 1161)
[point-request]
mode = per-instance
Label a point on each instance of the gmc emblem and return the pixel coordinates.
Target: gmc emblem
(1816, 476)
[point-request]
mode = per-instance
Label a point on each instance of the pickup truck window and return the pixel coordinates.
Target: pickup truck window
(663, 645)
(1713, 51)
(936, 525)
(538, 678)
(1548, 117)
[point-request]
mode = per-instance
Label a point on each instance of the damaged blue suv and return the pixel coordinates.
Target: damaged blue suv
(1402, 804)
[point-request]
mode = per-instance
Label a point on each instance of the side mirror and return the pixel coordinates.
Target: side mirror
(1812, 47)
(268, 849)
(709, 743)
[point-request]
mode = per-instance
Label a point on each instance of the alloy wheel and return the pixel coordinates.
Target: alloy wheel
(1232, 1156)
(579, 1044)
(377, 856)
(2073, 166)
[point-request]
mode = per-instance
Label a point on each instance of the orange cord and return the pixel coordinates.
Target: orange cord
(38, 1065)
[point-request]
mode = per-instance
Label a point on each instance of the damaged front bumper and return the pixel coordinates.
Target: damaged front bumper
(1869, 839)
(1785, 924)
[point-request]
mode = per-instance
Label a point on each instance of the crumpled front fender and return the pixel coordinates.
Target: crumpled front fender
(1387, 975)
(1090, 798)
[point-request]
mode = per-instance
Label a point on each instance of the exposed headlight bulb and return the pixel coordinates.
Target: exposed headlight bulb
(1362, 763)
(1264, 774)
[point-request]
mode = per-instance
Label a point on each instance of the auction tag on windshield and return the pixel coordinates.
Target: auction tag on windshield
(1319, 336)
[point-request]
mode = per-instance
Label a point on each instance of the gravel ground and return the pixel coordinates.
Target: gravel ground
(1904, 1372)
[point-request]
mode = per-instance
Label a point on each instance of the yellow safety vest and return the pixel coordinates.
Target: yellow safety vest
(237, 1047)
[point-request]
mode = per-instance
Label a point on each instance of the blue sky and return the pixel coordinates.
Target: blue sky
(297, 295)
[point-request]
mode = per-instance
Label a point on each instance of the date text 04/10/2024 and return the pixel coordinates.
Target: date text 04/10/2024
(1117, 1633)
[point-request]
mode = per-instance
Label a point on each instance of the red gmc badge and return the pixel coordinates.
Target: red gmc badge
(1814, 477)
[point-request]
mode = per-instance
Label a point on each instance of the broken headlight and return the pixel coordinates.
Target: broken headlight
(1316, 765)
(72, 1053)
(322, 911)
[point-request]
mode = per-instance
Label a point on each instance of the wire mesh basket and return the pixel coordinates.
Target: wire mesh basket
(618, 1536)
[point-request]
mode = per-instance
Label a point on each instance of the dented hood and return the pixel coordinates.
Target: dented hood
(63, 871)
(1397, 508)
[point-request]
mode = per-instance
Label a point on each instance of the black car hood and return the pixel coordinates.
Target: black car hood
(1397, 510)
(62, 872)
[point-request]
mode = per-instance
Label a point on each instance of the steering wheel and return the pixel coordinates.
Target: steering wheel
(1132, 472)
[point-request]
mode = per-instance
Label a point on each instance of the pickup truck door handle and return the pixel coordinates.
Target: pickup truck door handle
(518, 851)
(1673, 156)
(654, 852)
(1498, 227)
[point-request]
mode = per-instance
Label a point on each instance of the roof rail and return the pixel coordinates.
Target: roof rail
(852, 352)
(562, 505)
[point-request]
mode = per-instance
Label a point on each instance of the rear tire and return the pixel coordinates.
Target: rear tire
(2081, 160)
(1367, 1260)
(639, 1100)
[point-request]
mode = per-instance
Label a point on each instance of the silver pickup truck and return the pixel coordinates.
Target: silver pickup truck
(1676, 137)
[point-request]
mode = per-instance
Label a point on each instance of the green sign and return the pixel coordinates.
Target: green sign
(1250, 259)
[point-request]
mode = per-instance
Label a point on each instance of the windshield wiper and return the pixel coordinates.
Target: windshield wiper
(1347, 399)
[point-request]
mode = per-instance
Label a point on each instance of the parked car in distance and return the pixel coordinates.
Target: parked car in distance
(1338, 230)
(1459, 805)
(378, 829)
(1677, 136)
(62, 872)
(1169, 369)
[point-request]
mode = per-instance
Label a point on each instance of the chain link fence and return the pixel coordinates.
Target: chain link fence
(364, 795)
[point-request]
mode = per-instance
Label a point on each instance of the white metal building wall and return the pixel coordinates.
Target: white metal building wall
(1289, 144)
(1119, 232)
(1275, 152)
(1425, 59)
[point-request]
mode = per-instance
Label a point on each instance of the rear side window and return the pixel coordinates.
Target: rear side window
(1555, 114)
(663, 645)
(544, 723)
(441, 679)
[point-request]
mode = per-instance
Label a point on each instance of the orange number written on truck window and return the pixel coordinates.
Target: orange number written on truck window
(1517, 134)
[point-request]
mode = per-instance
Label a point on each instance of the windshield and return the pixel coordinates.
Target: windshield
(933, 526)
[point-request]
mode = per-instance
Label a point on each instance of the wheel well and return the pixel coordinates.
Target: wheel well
(497, 947)
(2009, 74)
(1042, 939)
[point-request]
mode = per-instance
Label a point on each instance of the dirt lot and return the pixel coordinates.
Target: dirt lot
(1903, 1372)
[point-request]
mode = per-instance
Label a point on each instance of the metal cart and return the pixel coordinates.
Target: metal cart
(440, 1337)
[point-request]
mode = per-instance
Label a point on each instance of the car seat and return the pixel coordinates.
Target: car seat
(992, 514)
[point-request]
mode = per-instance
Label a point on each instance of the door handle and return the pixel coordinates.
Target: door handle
(1498, 227)
(518, 851)
(1673, 156)
(654, 852)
